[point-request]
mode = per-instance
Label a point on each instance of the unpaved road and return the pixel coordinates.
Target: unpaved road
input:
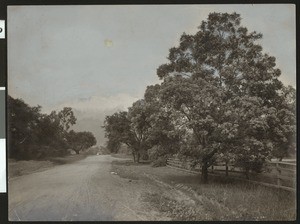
(85, 190)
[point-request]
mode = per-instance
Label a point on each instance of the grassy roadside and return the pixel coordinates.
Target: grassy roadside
(121, 156)
(67, 159)
(23, 167)
(220, 199)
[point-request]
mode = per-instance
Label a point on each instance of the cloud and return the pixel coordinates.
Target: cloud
(100, 104)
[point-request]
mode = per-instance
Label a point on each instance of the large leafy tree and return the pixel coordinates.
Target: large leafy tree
(79, 141)
(145, 125)
(227, 88)
(34, 135)
(117, 131)
(138, 115)
(130, 128)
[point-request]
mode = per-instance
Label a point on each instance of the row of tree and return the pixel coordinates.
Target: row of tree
(220, 99)
(35, 135)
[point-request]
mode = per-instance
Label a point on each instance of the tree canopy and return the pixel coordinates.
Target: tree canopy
(35, 135)
(79, 141)
(229, 92)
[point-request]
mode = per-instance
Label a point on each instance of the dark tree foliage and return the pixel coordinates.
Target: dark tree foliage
(113, 146)
(34, 135)
(66, 118)
(130, 128)
(23, 120)
(79, 141)
(117, 130)
(162, 130)
(144, 126)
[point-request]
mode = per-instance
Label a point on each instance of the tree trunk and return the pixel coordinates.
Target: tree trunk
(204, 173)
(133, 154)
(226, 171)
(247, 173)
(138, 157)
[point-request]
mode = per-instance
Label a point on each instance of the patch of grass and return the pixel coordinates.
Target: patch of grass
(130, 163)
(22, 167)
(177, 211)
(118, 167)
(67, 159)
(230, 199)
(126, 168)
(243, 201)
(121, 156)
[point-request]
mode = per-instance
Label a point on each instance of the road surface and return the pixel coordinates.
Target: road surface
(84, 190)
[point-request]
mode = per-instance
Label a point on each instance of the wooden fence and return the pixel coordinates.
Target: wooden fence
(277, 174)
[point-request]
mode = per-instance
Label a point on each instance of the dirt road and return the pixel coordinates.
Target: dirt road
(85, 190)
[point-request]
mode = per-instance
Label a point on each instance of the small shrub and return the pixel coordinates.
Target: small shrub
(160, 161)
(157, 151)
(144, 155)
(257, 166)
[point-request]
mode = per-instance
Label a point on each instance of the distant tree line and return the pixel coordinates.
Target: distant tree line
(35, 135)
(220, 100)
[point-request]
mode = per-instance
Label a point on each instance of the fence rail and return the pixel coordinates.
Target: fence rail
(277, 174)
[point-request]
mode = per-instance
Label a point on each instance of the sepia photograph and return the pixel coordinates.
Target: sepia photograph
(151, 112)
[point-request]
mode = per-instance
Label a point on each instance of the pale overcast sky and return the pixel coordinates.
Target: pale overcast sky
(99, 59)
